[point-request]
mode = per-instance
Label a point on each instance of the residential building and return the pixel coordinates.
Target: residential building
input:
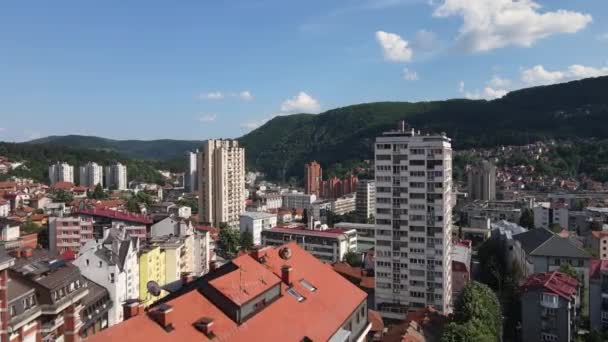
(69, 233)
(598, 295)
(548, 214)
(5, 207)
(494, 210)
(91, 175)
(102, 218)
(221, 175)
(461, 266)
(313, 176)
(548, 307)
(343, 205)
(336, 187)
(61, 172)
(597, 241)
(284, 283)
(203, 248)
(112, 262)
(366, 200)
(95, 312)
(176, 256)
(421, 325)
(327, 245)
(297, 200)
(269, 201)
(254, 222)
(151, 269)
(191, 176)
(481, 181)
(44, 299)
(413, 222)
(366, 234)
(132, 230)
(540, 250)
(116, 177)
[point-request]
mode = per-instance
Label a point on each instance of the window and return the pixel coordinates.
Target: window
(308, 285)
(111, 277)
(549, 300)
(100, 264)
(295, 294)
(548, 337)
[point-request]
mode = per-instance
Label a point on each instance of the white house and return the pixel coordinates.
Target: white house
(172, 226)
(5, 208)
(112, 263)
(254, 222)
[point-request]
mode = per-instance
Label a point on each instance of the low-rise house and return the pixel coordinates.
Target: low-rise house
(95, 312)
(5, 207)
(597, 242)
(548, 307)
(255, 222)
(423, 325)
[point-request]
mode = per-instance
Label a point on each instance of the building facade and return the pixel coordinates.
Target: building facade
(91, 174)
(366, 199)
(191, 176)
(481, 181)
(221, 181)
(255, 222)
(298, 200)
(598, 295)
(69, 233)
(151, 269)
(413, 222)
(116, 177)
(61, 172)
(546, 215)
(313, 177)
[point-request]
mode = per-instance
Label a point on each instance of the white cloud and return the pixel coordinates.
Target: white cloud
(245, 95)
(410, 75)
(488, 93)
(491, 93)
(394, 47)
(301, 103)
(499, 82)
(461, 87)
(538, 75)
(603, 38)
(207, 118)
(491, 24)
(214, 95)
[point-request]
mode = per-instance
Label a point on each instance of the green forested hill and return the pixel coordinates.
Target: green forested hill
(575, 109)
(282, 145)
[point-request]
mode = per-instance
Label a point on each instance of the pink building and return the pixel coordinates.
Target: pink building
(69, 233)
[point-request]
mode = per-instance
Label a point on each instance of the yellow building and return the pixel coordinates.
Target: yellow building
(152, 267)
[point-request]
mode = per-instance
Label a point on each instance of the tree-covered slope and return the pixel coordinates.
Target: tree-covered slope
(282, 145)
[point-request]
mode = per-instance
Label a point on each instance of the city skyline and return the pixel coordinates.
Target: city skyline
(195, 64)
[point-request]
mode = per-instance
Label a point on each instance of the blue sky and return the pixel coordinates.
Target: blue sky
(202, 69)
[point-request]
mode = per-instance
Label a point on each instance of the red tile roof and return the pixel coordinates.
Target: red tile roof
(317, 317)
(598, 267)
(63, 186)
(375, 319)
(117, 215)
(422, 325)
(555, 282)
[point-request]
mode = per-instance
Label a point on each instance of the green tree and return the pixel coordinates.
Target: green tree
(556, 228)
(98, 193)
(527, 219)
(353, 259)
(62, 196)
(568, 269)
(246, 240)
(474, 330)
(229, 240)
(478, 302)
(29, 227)
(132, 205)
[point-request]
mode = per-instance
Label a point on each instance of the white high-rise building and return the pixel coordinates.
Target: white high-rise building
(221, 182)
(366, 199)
(116, 177)
(91, 174)
(413, 222)
(61, 172)
(191, 176)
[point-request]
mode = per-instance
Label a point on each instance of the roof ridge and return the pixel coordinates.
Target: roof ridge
(544, 242)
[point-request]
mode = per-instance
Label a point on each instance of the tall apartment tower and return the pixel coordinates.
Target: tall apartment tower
(481, 180)
(313, 176)
(91, 174)
(191, 177)
(61, 172)
(413, 222)
(365, 202)
(116, 177)
(221, 182)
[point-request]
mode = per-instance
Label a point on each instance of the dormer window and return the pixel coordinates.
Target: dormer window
(295, 294)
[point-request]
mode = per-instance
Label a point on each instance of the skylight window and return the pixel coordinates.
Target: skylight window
(295, 294)
(308, 285)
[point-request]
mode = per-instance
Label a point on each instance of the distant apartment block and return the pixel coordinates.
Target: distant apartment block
(91, 175)
(69, 233)
(221, 176)
(366, 234)
(116, 177)
(191, 176)
(343, 205)
(365, 199)
(297, 200)
(481, 181)
(61, 172)
(313, 176)
(598, 295)
(548, 214)
(336, 187)
(255, 222)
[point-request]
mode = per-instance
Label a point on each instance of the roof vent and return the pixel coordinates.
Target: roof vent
(285, 253)
(163, 315)
(205, 325)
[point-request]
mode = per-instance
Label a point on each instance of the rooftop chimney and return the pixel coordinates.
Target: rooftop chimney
(213, 265)
(205, 325)
(163, 315)
(131, 308)
(286, 274)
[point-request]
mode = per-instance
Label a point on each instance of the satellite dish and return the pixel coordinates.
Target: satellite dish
(153, 288)
(285, 253)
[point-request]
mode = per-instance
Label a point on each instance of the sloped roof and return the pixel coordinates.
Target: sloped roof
(543, 242)
(533, 238)
(555, 282)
